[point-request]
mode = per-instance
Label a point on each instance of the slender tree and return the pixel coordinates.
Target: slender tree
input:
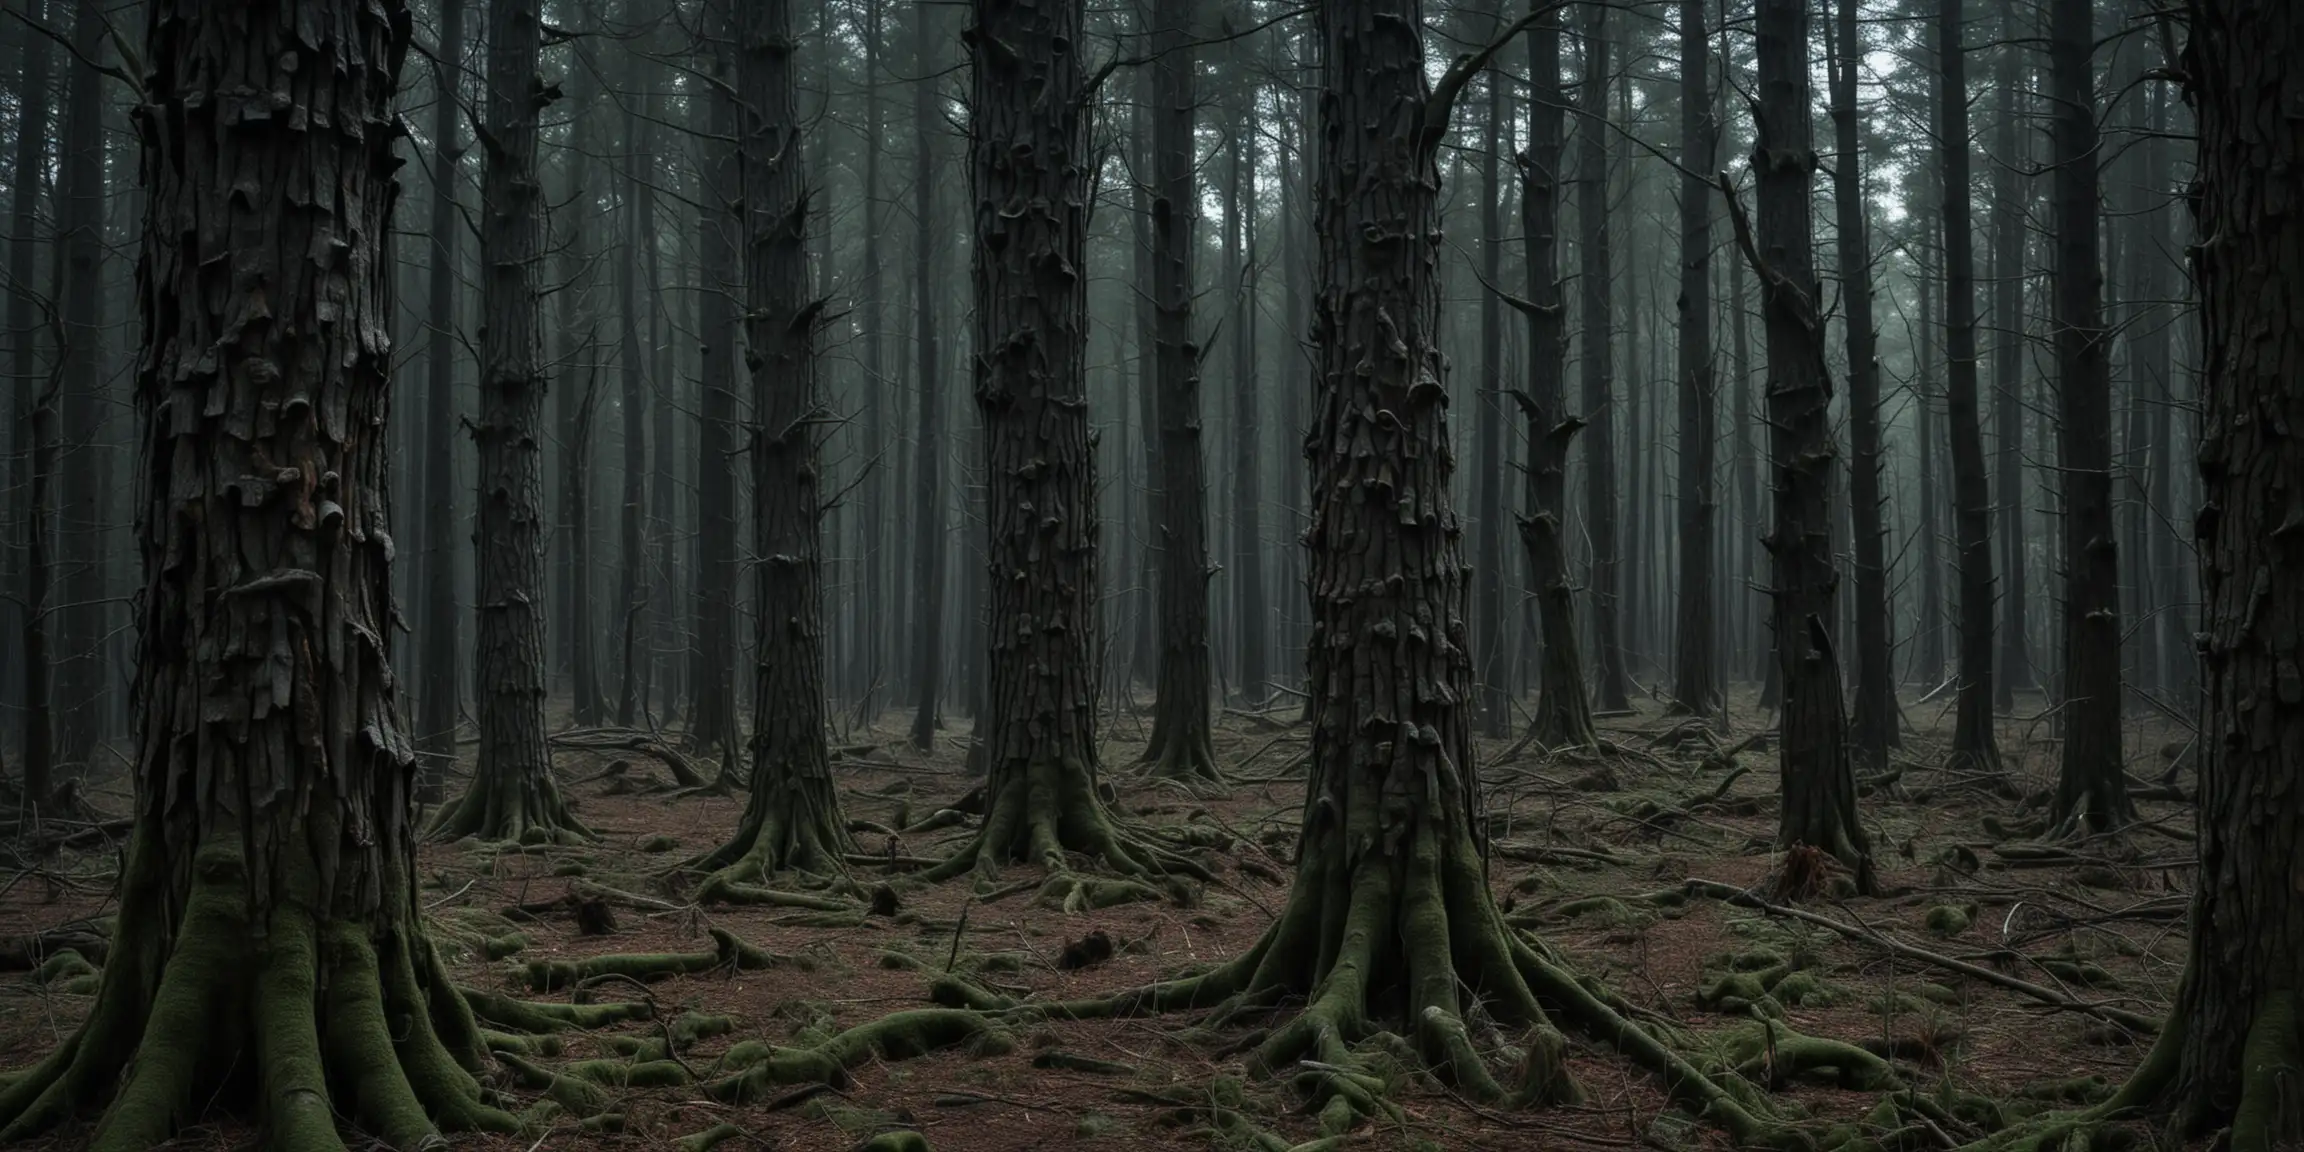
(713, 671)
(633, 608)
(437, 698)
(2092, 784)
(1874, 717)
(928, 445)
(2010, 201)
(1598, 324)
(577, 403)
(1819, 790)
(1695, 666)
(268, 903)
(512, 795)
(1488, 419)
(1563, 711)
(1181, 744)
(79, 482)
(867, 648)
(32, 434)
(1974, 745)
(792, 819)
(1253, 631)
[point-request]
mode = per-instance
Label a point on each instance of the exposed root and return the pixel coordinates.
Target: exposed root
(518, 807)
(900, 1036)
(792, 823)
(728, 953)
(533, 1017)
(1048, 812)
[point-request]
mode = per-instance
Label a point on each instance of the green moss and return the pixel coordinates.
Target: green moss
(1948, 920)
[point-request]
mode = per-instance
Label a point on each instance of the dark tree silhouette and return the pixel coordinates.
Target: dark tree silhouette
(1695, 664)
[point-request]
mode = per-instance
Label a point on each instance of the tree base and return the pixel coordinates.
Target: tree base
(307, 1001)
(510, 806)
(1046, 813)
(793, 827)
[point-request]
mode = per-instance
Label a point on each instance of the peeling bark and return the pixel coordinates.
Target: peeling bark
(266, 903)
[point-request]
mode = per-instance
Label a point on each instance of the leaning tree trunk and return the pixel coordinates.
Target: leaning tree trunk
(1819, 791)
(1874, 718)
(436, 691)
(1029, 160)
(1598, 321)
(792, 820)
(1563, 712)
(2092, 786)
(2233, 1052)
(1695, 666)
(1181, 745)
(512, 795)
(1974, 744)
(267, 905)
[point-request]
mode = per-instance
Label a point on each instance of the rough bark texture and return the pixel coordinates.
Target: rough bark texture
(266, 902)
(1597, 322)
(927, 622)
(1028, 159)
(436, 689)
(2235, 1046)
(792, 819)
(1819, 791)
(1181, 744)
(1695, 663)
(2092, 788)
(1974, 744)
(512, 795)
(1874, 718)
(1563, 711)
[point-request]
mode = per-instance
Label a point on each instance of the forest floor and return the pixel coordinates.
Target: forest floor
(2100, 923)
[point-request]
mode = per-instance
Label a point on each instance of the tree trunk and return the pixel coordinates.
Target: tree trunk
(1875, 716)
(713, 723)
(928, 447)
(2092, 788)
(634, 612)
(1488, 417)
(437, 695)
(792, 819)
(576, 408)
(267, 904)
(1180, 744)
(1695, 675)
(1563, 710)
(513, 795)
(869, 636)
(1819, 791)
(32, 436)
(1253, 635)
(2234, 1048)
(1145, 649)
(1028, 156)
(2009, 204)
(79, 689)
(1974, 744)
(1598, 323)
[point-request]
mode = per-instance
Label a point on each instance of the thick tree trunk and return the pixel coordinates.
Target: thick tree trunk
(1029, 160)
(927, 623)
(2092, 787)
(1563, 710)
(2009, 203)
(713, 722)
(32, 435)
(436, 693)
(793, 818)
(513, 795)
(1874, 718)
(1695, 664)
(267, 903)
(1974, 745)
(1598, 335)
(1819, 791)
(1180, 744)
(2234, 1049)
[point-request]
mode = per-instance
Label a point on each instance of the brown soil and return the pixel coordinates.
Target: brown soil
(2122, 913)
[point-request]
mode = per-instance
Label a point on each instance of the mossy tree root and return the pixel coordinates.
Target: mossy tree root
(335, 1022)
(513, 806)
(1047, 811)
(792, 823)
(759, 1068)
(728, 952)
(539, 1018)
(1183, 749)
